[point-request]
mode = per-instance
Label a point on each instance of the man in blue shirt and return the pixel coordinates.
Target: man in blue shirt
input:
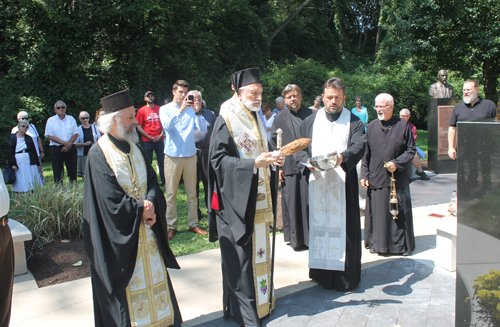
(178, 119)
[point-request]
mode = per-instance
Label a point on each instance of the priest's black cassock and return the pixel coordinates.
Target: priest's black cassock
(111, 231)
(294, 189)
(348, 279)
(231, 221)
(389, 140)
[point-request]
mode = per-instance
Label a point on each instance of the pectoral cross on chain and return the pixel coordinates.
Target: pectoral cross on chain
(135, 190)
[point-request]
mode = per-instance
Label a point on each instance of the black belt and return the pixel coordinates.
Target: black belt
(4, 221)
(22, 151)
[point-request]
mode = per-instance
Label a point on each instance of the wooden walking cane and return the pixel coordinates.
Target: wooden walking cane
(279, 133)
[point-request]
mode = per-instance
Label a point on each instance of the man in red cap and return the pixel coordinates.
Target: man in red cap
(241, 208)
(125, 230)
(149, 126)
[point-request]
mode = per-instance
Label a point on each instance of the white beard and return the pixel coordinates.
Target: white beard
(381, 116)
(129, 135)
(471, 98)
(250, 104)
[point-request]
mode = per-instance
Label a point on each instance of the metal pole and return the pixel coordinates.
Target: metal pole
(279, 133)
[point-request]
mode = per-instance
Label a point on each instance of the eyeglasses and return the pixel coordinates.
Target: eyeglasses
(24, 126)
(60, 107)
(23, 118)
(380, 107)
(84, 117)
(404, 116)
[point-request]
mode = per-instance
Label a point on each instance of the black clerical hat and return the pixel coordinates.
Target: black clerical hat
(116, 101)
(245, 77)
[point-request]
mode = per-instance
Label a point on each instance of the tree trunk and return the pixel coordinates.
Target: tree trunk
(379, 29)
(364, 28)
(288, 20)
(490, 78)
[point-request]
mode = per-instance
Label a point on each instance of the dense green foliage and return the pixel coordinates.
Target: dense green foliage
(458, 35)
(79, 51)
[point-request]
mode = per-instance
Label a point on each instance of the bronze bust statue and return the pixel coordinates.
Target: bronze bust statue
(441, 89)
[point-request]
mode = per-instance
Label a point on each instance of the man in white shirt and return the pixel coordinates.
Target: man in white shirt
(62, 132)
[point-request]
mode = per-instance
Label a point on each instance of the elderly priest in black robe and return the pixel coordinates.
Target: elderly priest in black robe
(390, 149)
(241, 208)
(334, 222)
(125, 229)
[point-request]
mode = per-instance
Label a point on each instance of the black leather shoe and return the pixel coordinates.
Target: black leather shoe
(423, 175)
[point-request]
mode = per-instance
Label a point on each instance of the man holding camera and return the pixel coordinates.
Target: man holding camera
(178, 119)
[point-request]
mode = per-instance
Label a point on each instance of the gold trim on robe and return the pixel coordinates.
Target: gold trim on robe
(246, 131)
(148, 293)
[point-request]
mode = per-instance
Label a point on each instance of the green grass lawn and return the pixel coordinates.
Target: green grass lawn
(422, 141)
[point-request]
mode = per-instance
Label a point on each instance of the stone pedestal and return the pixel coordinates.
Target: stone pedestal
(438, 116)
(478, 230)
(20, 234)
(446, 239)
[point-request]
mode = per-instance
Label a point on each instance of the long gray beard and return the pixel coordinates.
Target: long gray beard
(129, 135)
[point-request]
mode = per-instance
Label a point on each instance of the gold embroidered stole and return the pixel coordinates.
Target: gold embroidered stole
(148, 293)
(251, 139)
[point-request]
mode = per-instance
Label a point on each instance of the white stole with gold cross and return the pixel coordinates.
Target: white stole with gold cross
(250, 137)
(148, 293)
(327, 212)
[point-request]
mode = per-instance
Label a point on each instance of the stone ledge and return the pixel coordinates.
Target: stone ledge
(20, 234)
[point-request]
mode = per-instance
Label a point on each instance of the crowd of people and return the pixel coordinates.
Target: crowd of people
(129, 221)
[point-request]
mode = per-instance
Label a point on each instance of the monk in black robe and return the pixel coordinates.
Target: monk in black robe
(390, 148)
(123, 208)
(353, 132)
(241, 210)
(294, 201)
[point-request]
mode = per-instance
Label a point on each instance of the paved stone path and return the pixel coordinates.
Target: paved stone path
(399, 292)
(394, 291)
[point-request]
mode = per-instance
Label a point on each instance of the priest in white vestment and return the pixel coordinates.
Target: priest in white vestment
(334, 221)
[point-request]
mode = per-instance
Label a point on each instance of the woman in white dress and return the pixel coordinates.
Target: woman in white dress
(23, 158)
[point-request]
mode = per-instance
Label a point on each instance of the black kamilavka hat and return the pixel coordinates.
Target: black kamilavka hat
(116, 101)
(245, 77)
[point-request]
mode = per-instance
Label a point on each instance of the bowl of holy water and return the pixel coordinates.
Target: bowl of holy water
(324, 162)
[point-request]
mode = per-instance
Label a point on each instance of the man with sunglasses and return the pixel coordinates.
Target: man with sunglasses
(62, 132)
